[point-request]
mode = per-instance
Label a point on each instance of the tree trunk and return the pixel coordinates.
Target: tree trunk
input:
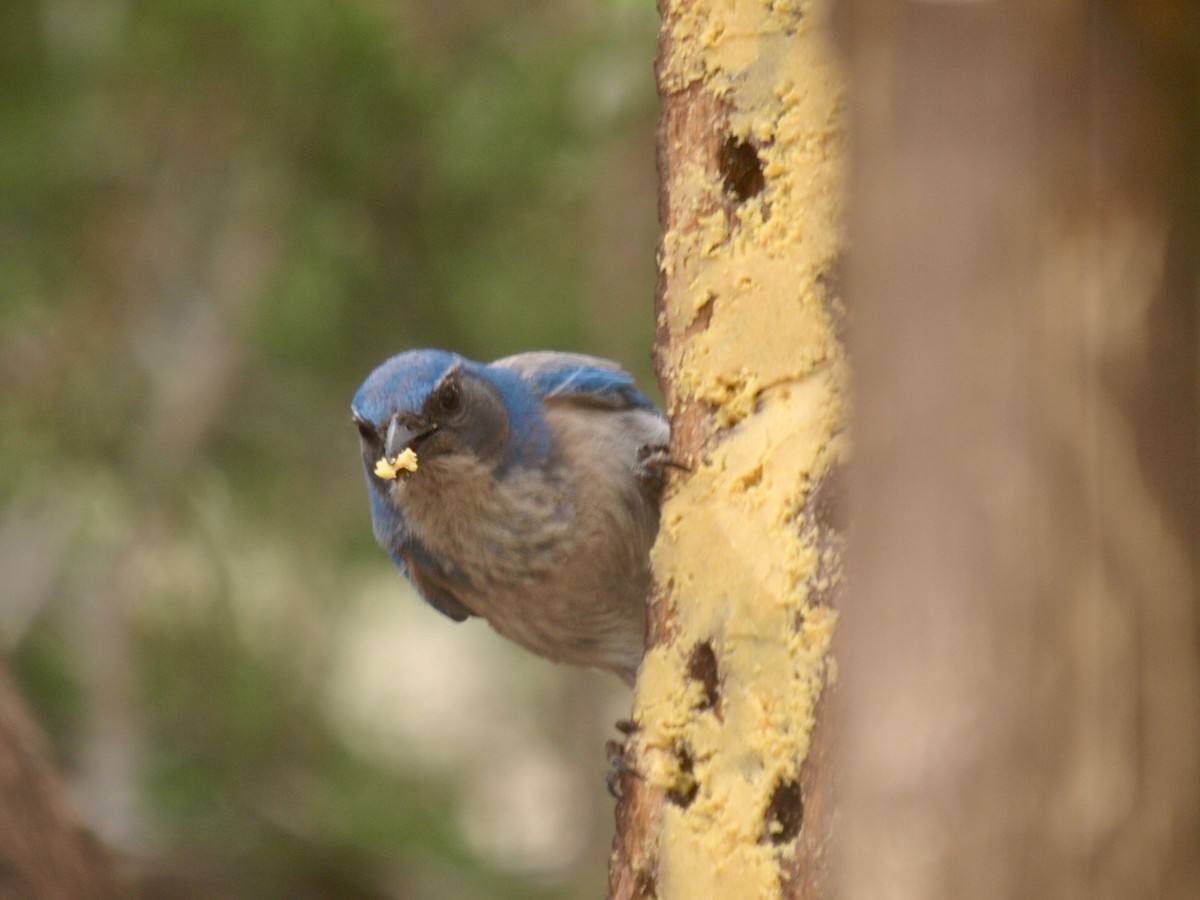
(45, 851)
(732, 799)
(1022, 686)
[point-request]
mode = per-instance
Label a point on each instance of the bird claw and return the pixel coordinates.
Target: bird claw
(618, 766)
(653, 461)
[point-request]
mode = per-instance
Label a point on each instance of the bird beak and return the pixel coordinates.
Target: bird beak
(400, 436)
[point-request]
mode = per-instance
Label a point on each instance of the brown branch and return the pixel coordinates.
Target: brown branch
(734, 796)
(46, 853)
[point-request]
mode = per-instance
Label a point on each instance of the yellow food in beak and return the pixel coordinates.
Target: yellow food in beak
(389, 469)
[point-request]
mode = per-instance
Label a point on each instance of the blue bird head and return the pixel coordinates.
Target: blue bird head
(448, 410)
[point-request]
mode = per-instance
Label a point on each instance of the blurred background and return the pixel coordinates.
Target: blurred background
(216, 217)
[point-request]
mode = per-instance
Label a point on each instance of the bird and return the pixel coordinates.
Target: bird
(525, 491)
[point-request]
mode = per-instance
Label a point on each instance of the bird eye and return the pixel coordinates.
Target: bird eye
(366, 430)
(449, 397)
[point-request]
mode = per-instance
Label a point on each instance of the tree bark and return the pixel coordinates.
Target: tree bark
(1022, 690)
(46, 853)
(733, 792)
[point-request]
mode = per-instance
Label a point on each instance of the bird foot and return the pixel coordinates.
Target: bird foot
(653, 461)
(618, 764)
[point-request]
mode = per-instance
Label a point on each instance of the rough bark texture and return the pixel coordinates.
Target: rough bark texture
(45, 851)
(734, 795)
(1019, 648)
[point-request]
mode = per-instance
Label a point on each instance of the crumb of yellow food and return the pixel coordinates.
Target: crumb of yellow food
(389, 469)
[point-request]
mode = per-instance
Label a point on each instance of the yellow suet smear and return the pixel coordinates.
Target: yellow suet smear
(389, 469)
(771, 368)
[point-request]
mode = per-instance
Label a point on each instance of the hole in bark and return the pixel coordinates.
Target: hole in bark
(826, 501)
(702, 667)
(741, 169)
(830, 282)
(785, 813)
(751, 479)
(685, 792)
(704, 313)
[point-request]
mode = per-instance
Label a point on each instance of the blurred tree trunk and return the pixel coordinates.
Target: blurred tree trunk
(46, 853)
(732, 797)
(1022, 686)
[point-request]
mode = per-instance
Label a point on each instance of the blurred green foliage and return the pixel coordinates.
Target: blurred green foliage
(216, 217)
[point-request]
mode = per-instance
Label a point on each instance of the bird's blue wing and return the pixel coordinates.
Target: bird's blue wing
(436, 591)
(412, 559)
(577, 378)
